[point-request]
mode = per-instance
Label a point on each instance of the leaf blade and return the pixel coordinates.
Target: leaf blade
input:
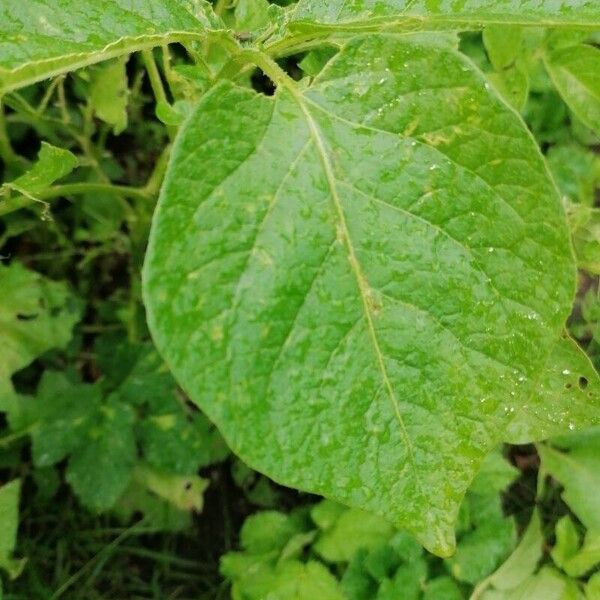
(44, 38)
(270, 295)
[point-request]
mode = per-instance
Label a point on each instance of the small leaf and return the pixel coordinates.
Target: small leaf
(101, 469)
(52, 164)
(9, 523)
(109, 92)
(567, 542)
(586, 558)
(503, 45)
(267, 531)
(353, 530)
(592, 587)
(523, 562)
(36, 314)
(575, 71)
(185, 493)
(574, 460)
(442, 588)
(59, 416)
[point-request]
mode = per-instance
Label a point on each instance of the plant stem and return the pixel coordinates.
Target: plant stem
(8, 155)
(154, 76)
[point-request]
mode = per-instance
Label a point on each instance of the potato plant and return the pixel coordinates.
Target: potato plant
(359, 268)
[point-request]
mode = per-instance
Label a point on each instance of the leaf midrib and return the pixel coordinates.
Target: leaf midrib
(355, 266)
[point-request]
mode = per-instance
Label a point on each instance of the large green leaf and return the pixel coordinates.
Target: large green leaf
(42, 38)
(359, 281)
(421, 14)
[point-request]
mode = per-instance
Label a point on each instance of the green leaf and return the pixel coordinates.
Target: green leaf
(512, 84)
(586, 558)
(567, 542)
(267, 531)
(585, 224)
(353, 530)
(442, 588)
(565, 398)
(592, 587)
(59, 417)
(108, 93)
(576, 171)
(523, 562)
(36, 314)
(327, 279)
(503, 45)
(101, 469)
(185, 493)
(52, 164)
(43, 38)
(450, 14)
(575, 71)
(574, 461)
(407, 583)
(9, 523)
(159, 514)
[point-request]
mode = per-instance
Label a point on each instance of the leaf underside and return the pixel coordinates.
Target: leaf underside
(361, 308)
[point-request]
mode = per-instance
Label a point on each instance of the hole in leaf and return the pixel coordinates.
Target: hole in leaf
(22, 317)
(262, 84)
(583, 382)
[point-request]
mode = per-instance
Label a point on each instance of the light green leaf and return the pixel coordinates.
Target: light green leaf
(43, 38)
(52, 164)
(9, 523)
(503, 45)
(567, 542)
(574, 461)
(289, 580)
(267, 531)
(251, 15)
(576, 171)
(494, 476)
(36, 314)
(592, 587)
(450, 13)
(586, 558)
(575, 71)
(565, 398)
(109, 93)
(344, 305)
(353, 530)
(523, 562)
(185, 493)
(159, 514)
(585, 226)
